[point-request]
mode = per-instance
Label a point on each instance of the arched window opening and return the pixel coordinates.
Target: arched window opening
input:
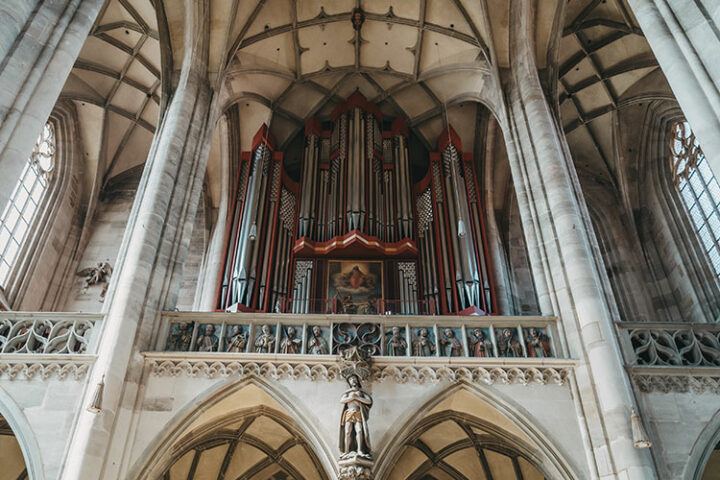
(699, 189)
(17, 219)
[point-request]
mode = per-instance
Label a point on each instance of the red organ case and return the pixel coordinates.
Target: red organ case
(354, 235)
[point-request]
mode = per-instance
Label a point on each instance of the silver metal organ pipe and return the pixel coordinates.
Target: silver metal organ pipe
(258, 223)
(402, 179)
(245, 243)
(448, 287)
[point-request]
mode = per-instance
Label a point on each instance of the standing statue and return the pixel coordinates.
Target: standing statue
(451, 346)
(396, 344)
(356, 407)
(317, 345)
(422, 345)
(290, 344)
(98, 274)
(265, 342)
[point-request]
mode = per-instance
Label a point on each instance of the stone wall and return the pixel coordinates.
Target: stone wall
(106, 234)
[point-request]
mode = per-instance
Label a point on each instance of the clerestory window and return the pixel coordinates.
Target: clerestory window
(699, 189)
(17, 220)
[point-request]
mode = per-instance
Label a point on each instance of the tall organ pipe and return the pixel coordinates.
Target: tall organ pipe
(248, 234)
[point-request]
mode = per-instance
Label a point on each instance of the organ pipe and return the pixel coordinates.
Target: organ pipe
(356, 201)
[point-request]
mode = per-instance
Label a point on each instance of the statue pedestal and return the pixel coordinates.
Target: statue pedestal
(355, 467)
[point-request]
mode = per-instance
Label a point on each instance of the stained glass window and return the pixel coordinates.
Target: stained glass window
(17, 219)
(699, 189)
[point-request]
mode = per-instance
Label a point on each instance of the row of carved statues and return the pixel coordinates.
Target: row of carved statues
(394, 343)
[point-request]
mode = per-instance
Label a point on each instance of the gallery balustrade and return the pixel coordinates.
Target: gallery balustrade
(48, 333)
(671, 344)
(378, 335)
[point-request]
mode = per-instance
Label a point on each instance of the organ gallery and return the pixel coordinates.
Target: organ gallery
(356, 233)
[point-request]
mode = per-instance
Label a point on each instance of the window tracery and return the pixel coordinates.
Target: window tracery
(699, 189)
(19, 214)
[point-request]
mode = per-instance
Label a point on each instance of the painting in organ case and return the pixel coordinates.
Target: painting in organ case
(355, 286)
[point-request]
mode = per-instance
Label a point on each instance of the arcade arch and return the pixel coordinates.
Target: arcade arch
(468, 433)
(257, 443)
(247, 429)
(11, 456)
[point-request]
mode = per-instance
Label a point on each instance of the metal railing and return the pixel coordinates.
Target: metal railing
(48, 332)
(391, 335)
(670, 344)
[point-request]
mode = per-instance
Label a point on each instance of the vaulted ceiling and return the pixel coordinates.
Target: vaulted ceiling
(431, 61)
(291, 60)
(115, 85)
(605, 66)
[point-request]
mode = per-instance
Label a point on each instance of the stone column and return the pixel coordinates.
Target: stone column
(152, 254)
(214, 260)
(501, 279)
(39, 42)
(561, 245)
(685, 38)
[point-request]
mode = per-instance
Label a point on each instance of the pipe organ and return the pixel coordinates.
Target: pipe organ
(355, 234)
(450, 231)
(262, 231)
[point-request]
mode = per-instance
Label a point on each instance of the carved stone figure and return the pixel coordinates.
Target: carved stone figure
(98, 274)
(265, 342)
(290, 344)
(508, 345)
(481, 346)
(207, 342)
(396, 344)
(422, 345)
(451, 346)
(180, 338)
(356, 407)
(238, 339)
(317, 345)
(538, 344)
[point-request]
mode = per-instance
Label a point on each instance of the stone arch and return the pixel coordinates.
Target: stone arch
(207, 414)
(12, 419)
(504, 428)
(705, 451)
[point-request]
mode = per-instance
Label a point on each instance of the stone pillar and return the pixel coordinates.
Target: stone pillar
(500, 272)
(684, 36)
(561, 245)
(39, 42)
(152, 254)
(214, 260)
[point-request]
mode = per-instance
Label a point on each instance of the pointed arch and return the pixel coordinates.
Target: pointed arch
(16, 421)
(517, 436)
(707, 442)
(187, 430)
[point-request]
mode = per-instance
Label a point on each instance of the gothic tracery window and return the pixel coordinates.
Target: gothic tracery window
(19, 215)
(699, 189)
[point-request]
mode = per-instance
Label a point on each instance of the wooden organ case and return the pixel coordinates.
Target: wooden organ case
(354, 235)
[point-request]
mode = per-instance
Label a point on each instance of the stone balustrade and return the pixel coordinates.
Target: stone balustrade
(48, 333)
(672, 357)
(671, 344)
(384, 336)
